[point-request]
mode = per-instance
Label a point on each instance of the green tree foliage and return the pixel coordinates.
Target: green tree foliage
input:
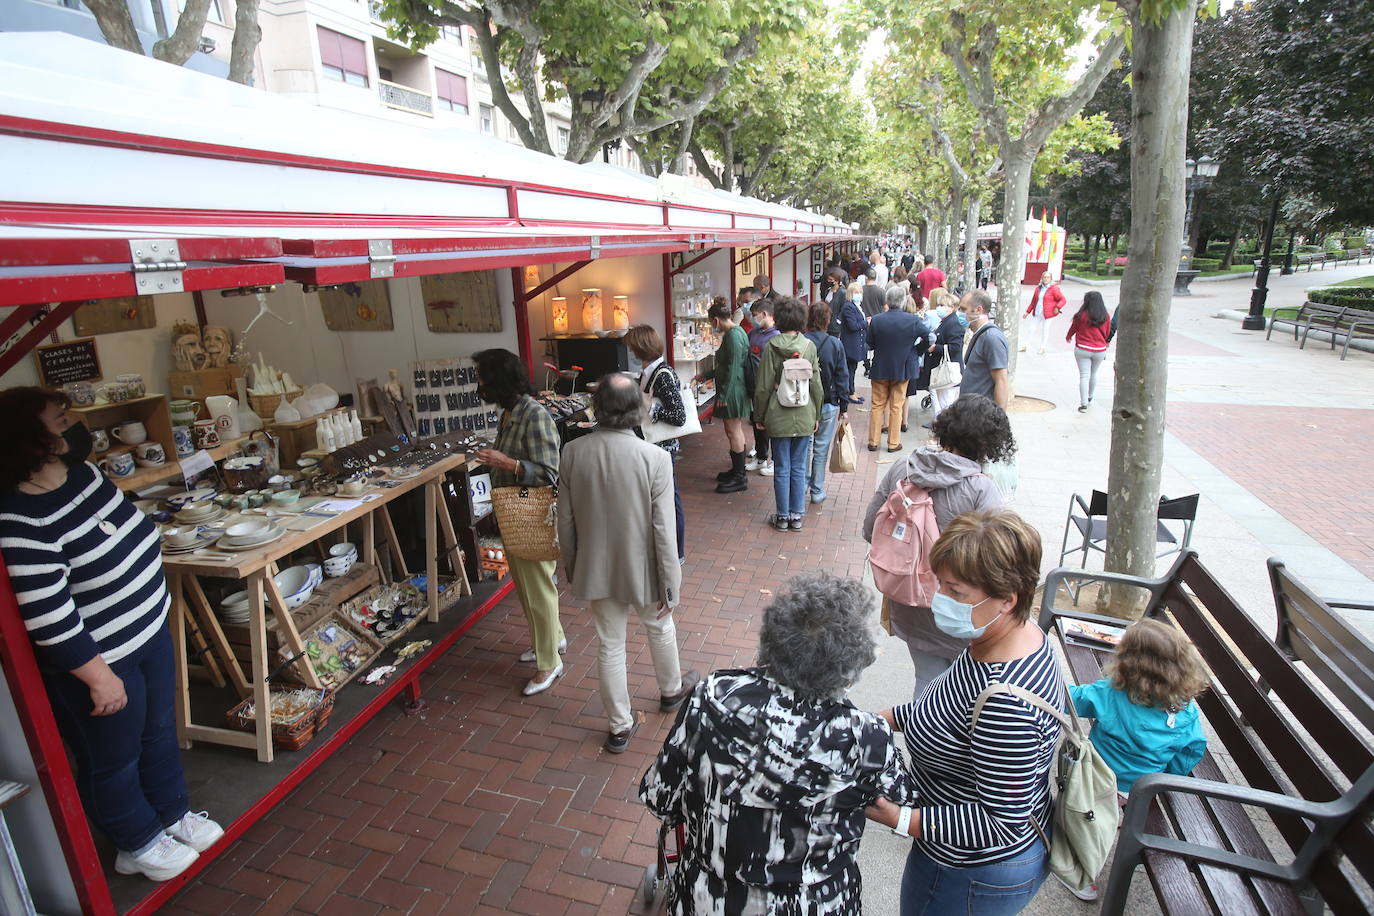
(629, 68)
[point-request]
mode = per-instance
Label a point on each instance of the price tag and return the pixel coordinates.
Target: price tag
(196, 464)
(479, 488)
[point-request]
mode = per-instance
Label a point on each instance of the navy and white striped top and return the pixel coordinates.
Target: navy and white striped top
(83, 592)
(979, 788)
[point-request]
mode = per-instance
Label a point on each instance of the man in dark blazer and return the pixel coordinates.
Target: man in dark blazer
(893, 336)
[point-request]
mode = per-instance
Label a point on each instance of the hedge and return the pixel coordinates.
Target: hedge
(1358, 296)
(1207, 263)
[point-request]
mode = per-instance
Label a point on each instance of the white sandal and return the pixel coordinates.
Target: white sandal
(534, 686)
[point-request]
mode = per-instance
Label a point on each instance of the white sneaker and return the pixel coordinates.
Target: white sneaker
(195, 829)
(766, 469)
(529, 657)
(164, 861)
(752, 454)
(752, 464)
(534, 686)
(1088, 893)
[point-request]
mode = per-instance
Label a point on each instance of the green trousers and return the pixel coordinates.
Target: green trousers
(539, 597)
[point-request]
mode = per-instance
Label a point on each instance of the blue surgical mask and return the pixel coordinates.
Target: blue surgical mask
(954, 618)
(855, 298)
(963, 318)
(941, 311)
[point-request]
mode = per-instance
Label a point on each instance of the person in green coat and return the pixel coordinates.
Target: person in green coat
(732, 400)
(789, 428)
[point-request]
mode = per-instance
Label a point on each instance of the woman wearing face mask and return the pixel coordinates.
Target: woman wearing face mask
(949, 344)
(975, 849)
(86, 570)
(854, 335)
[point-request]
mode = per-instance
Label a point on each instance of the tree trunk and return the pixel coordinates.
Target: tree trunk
(956, 215)
(1229, 258)
(1015, 200)
(247, 34)
(1160, 62)
(116, 24)
(975, 206)
(178, 47)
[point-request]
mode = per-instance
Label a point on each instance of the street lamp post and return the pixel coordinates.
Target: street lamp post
(1197, 175)
(1254, 321)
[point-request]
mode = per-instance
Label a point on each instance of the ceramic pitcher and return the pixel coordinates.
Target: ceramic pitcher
(224, 410)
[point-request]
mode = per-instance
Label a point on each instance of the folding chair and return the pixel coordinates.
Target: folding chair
(1090, 521)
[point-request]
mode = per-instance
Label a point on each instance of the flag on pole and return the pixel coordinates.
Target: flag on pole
(1040, 250)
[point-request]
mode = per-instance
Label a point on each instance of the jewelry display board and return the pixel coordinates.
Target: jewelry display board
(444, 393)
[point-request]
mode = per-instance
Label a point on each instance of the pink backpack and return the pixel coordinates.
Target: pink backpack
(899, 554)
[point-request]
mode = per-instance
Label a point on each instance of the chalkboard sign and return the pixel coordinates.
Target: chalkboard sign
(72, 361)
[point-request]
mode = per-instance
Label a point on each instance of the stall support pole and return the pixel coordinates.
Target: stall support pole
(49, 757)
(522, 319)
(669, 331)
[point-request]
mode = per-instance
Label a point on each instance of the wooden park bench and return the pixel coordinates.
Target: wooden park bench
(1291, 715)
(1353, 322)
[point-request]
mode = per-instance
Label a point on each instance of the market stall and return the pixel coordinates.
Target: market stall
(1043, 242)
(272, 340)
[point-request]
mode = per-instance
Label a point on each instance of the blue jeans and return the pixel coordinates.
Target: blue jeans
(789, 475)
(820, 449)
(998, 889)
(128, 765)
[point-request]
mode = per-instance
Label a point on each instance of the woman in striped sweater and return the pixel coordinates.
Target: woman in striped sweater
(87, 573)
(983, 790)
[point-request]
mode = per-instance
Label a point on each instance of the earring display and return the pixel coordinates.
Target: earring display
(448, 402)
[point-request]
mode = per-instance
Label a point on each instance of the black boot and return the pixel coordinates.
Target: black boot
(726, 475)
(738, 479)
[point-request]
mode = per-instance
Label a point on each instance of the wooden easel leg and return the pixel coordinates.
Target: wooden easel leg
(257, 639)
(290, 636)
(176, 622)
(201, 606)
(453, 550)
(431, 553)
(393, 545)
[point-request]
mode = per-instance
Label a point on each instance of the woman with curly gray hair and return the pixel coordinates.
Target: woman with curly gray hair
(770, 767)
(967, 433)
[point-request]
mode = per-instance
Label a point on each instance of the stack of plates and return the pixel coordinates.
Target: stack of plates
(234, 608)
(247, 535)
(199, 542)
(200, 513)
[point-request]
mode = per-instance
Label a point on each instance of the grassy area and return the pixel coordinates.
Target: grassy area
(1364, 282)
(1235, 269)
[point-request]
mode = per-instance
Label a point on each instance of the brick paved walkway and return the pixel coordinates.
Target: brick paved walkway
(490, 803)
(1308, 464)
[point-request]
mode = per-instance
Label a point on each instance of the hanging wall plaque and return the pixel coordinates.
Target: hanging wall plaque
(364, 306)
(105, 316)
(464, 302)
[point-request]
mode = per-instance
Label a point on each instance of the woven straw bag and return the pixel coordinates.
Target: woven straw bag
(528, 517)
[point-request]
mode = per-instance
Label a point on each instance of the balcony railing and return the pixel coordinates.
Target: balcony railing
(394, 95)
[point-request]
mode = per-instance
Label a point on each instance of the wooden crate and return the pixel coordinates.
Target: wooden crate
(295, 439)
(199, 384)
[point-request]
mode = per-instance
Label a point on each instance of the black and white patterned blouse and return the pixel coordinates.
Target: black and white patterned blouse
(772, 789)
(667, 406)
(979, 788)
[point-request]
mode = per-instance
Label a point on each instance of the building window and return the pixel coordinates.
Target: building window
(564, 135)
(451, 91)
(488, 119)
(343, 58)
(453, 33)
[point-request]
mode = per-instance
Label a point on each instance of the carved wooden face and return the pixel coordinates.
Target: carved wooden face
(188, 352)
(218, 341)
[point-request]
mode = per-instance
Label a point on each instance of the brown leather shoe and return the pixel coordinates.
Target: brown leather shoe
(672, 702)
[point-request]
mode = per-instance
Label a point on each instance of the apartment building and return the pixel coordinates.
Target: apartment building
(334, 53)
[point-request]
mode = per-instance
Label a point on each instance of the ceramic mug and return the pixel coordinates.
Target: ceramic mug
(205, 434)
(182, 439)
(150, 454)
(119, 463)
(111, 393)
(100, 440)
(184, 413)
(134, 386)
(130, 432)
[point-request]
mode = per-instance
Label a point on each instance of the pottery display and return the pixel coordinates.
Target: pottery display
(150, 454)
(100, 440)
(184, 441)
(130, 432)
(118, 463)
(205, 434)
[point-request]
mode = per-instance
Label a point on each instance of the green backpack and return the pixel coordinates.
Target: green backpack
(1086, 813)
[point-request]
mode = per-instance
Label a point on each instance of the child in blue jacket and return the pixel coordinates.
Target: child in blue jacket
(1147, 721)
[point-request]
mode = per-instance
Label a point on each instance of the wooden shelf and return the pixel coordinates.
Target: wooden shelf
(146, 477)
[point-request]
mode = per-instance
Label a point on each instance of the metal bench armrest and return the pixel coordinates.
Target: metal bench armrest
(1058, 576)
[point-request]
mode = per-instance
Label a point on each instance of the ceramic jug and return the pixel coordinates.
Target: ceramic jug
(224, 410)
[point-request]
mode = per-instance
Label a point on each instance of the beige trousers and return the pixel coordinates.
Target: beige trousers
(611, 617)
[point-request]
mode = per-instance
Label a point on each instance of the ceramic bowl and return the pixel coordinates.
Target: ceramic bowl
(295, 584)
(343, 550)
(182, 536)
(234, 603)
(286, 497)
(336, 568)
(248, 530)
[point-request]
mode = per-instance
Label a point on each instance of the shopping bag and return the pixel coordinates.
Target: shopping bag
(843, 457)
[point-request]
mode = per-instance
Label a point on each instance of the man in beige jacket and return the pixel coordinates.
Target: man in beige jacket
(618, 536)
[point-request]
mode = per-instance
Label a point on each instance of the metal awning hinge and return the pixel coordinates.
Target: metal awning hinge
(380, 261)
(594, 251)
(157, 266)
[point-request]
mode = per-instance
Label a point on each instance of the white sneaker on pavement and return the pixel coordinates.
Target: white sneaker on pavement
(1088, 893)
(530, 658)
(167, 859)
(766, 469)
(752, 464)
(195, 829)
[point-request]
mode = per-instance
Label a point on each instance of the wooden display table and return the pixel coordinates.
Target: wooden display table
(258, 566)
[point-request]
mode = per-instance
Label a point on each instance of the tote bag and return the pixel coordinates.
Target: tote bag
(528, 519)
(658, 431)
(947, 374)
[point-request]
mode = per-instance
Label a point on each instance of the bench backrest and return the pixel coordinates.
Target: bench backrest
(1261, 707)
(1333, 651)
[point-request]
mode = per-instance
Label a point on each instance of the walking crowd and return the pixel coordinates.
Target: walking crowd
(770, 769)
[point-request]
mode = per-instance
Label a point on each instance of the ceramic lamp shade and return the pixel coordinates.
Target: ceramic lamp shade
(560, 314)
(620, 312)
(591, 310)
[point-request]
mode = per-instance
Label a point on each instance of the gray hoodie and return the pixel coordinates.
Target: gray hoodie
(956, 484)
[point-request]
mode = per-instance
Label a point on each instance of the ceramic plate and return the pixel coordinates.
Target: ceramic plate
(196, 545)
(252, 539)
(239, 547)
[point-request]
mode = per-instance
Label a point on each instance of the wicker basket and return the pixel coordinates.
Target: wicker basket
(528, 519)
(292, 736)
(265, 405)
